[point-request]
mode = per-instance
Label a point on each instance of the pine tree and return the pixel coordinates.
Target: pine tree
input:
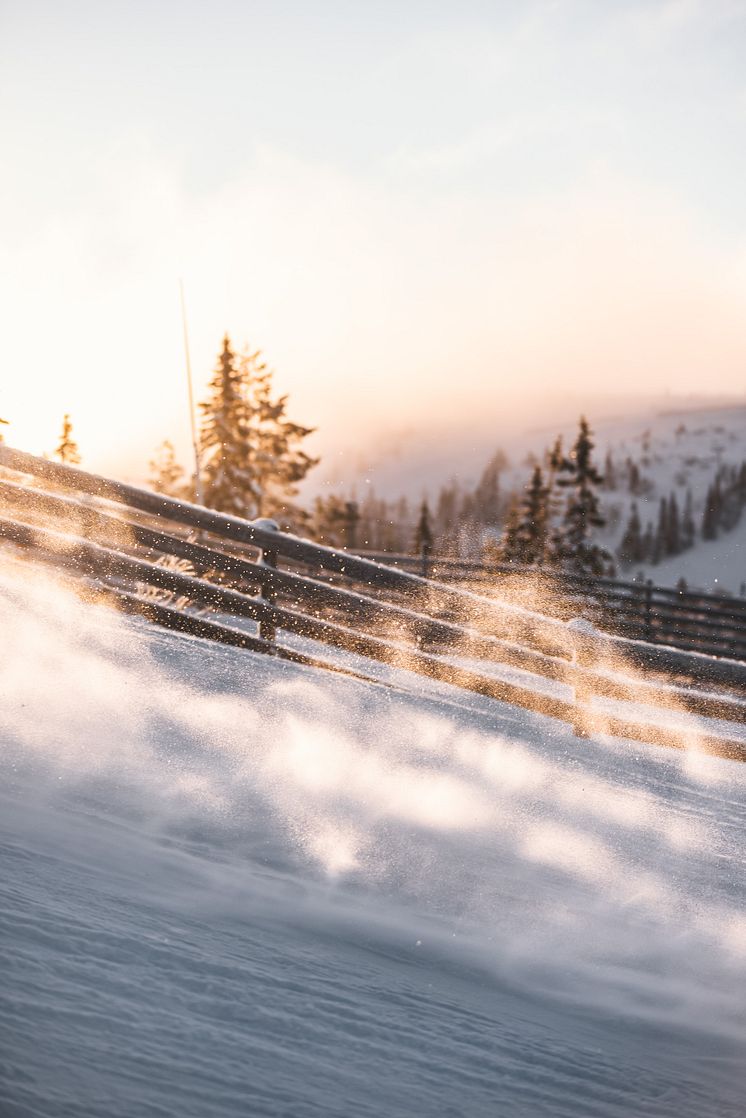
(166, 475)
(631, 546)
(554, 459)
(741, 484)
(633, 474)
(335, 520)
(673, 534)
(278, 463)
(487, 493)
(252, 459)
(423, 535)
(579, 475)
(226, 477)
(525, 538)
(369, 520)
(510, 546)
(67, 449)
(688, 529)
(730, 511)
(711, 514)
(352, 520)
(609, 471)
(404, 520)
(446, 515)
(534, 529)
(661, 533)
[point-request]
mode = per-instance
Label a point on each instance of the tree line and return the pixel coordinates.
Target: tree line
(676, 528)
(252, 460)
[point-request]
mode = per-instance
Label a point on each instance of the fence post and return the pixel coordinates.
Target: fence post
(581, 633)
(267, 558)
(649, 609)
(425, 558)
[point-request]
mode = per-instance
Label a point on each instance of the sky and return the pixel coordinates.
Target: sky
(445, 214)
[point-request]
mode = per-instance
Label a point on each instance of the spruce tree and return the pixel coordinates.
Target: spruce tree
(226, 476)
(688, 529)
(487, 493)
(661, 533)
(352, 520)
(741, 483)
(609, 471)
(534, 528)
(730, 512)
(423, 535)
(578, 474)
(67, 449)
(277, 462)
(446, 516)
(251, 453)
(633, 474)
(335, 520)
(525, 537)
(673, 534)
(631, 547)
(510, 545)
(554, 459)
(711, 514)
(369, 520)
(166, 475)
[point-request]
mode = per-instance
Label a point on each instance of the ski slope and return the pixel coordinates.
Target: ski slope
(233, 886)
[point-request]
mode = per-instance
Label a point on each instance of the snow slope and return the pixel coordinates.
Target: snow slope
(676, 451)
(684, 452)
(238, 887)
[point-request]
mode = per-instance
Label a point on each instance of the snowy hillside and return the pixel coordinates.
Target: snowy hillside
(676, 451)
(680, 452)
(233, 886)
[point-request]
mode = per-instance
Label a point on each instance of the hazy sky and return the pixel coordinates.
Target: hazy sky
(446, 208)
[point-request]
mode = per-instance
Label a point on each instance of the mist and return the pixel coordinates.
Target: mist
(377, 310)
(201, 752)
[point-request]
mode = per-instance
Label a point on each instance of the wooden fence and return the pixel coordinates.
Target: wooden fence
(711, 623)
(121, 543)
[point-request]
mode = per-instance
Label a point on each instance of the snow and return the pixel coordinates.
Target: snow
(718, 566)
(685, 450)
(686, 445)
(676, 450)
(233, 885)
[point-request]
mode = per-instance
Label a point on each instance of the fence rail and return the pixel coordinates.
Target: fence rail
(117, 539)
(714, 624)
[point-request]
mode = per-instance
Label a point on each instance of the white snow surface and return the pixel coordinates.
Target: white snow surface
(235, 886)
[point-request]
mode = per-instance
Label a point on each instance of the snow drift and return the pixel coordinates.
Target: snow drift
(238, 886)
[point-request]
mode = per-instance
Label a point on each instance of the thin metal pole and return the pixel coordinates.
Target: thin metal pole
(195, 444)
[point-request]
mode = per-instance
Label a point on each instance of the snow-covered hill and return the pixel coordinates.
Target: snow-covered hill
(238, 887)
(676, 449)
(679, 452)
